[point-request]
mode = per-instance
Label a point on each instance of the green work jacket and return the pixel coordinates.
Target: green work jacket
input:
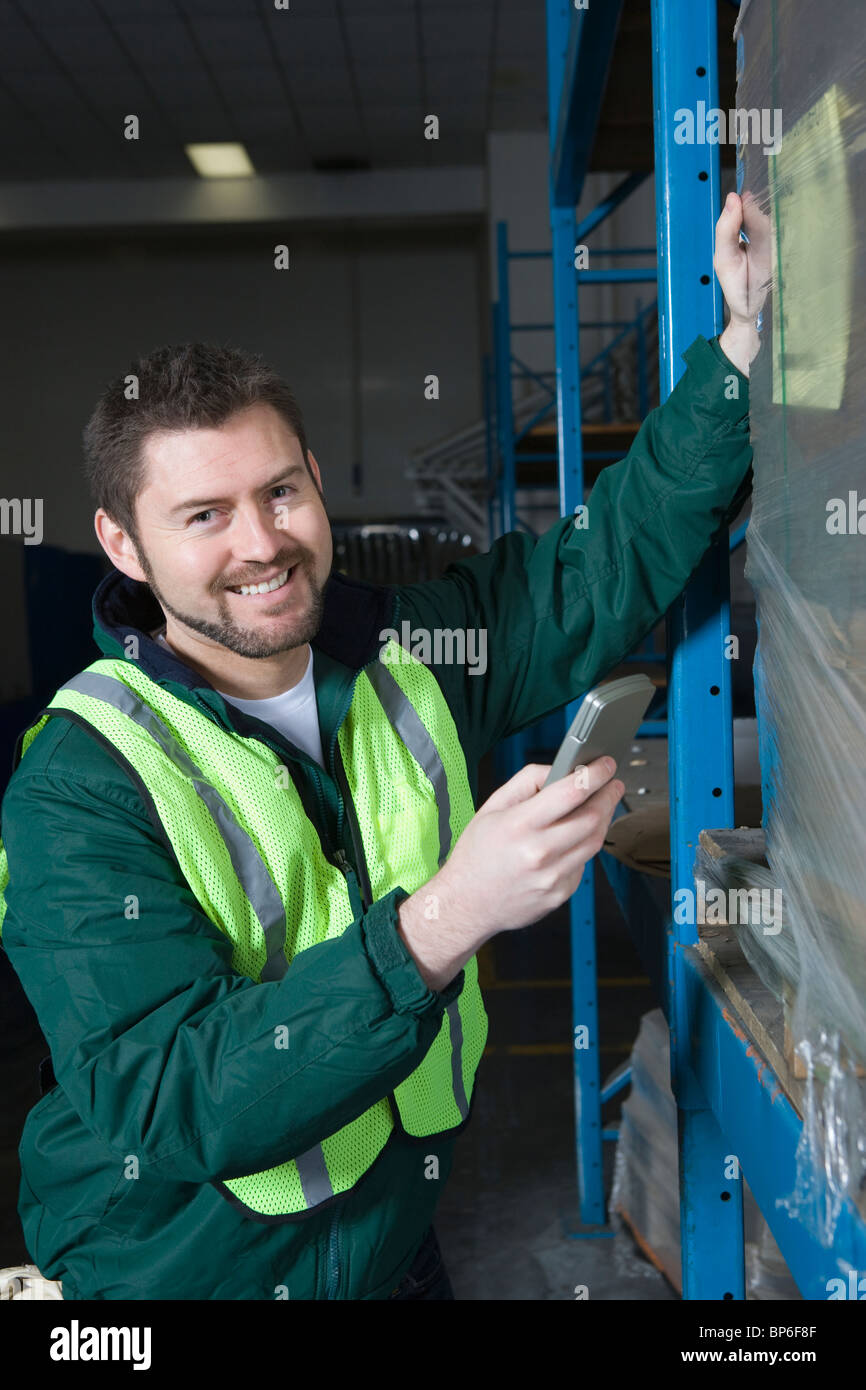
(162, 1036)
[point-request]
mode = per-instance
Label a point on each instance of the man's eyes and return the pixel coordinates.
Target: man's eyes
(280, 487)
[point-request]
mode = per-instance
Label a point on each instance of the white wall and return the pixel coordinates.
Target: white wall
(354, 325)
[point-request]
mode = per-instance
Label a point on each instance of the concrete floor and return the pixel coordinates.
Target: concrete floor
(507, 1218)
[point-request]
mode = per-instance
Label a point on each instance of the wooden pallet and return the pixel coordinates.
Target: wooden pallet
(761, 1013)
(778, 1039)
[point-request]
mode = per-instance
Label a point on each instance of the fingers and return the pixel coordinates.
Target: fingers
(564, 796)
(584, 830)
(729, 251)
(731, 215)
(520, 787)
(757, 224)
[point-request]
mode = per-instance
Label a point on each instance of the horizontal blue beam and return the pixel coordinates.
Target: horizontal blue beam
(608, 206)
(621, 250)
(616, 277)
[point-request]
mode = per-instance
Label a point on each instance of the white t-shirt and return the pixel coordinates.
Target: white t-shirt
(293, 713)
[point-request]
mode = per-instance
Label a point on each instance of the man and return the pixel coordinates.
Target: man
(246, 880)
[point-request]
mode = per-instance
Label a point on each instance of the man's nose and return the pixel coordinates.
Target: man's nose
(256, 536)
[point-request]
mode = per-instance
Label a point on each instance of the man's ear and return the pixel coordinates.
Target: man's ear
(314, 469)
(117, 546)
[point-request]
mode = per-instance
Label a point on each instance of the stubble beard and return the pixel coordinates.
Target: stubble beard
(248, 642)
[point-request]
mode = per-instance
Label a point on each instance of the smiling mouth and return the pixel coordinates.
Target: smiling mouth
(277, 585)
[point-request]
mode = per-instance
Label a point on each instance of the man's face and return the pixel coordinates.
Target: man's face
(234, 506)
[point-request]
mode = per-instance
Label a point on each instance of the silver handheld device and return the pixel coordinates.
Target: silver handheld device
(607, 721)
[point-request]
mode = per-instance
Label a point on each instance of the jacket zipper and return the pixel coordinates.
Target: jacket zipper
(363, 878)
(354, 881)
(355, 830)
(332, 1285)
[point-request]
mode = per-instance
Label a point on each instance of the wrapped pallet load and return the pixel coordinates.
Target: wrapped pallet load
(807, 558)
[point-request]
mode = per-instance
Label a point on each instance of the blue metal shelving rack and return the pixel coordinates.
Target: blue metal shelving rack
(512, 753)
(499, 415)
(729, 1101)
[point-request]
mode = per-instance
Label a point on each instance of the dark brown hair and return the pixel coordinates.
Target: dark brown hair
(176, 387)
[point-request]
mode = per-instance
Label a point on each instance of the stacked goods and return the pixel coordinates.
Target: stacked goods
(805, 66)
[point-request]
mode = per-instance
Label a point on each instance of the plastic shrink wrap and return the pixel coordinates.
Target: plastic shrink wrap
(802, 71)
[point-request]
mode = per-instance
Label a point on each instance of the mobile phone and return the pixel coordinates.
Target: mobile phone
(607, 721)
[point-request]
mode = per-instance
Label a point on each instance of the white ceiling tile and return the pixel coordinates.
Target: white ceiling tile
(262, 120)
(200, 124)
(330, 122)
(317, 84)
(51, 14)
(373, 36)
(406, 120)
(160, 42)
(302, 10)
(93, 46)
(232, 40)
(218, 9)
(449, 35)
(22, 51)
(180, 84)
(389, 83)
(132, 10)
(44, 91)
(307, 40)
(260, 83)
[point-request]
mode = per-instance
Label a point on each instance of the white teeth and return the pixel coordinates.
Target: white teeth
(268, 588)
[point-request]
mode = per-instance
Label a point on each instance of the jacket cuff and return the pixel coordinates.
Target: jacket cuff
(710, 388)
(393, 963)
(730, 366)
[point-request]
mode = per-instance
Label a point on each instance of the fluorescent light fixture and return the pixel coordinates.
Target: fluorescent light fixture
(216, 161)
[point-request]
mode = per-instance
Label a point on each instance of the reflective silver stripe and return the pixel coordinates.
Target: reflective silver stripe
(313, 1173)
(405, 721)
(457, 1059)
(246, 860)
(247, 863)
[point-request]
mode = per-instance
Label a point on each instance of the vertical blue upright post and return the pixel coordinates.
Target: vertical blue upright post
(506, 409)
(699, 689)
(587, 1089)
(512, 756)
(642, 385)
(494, 510)
(489, 453)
